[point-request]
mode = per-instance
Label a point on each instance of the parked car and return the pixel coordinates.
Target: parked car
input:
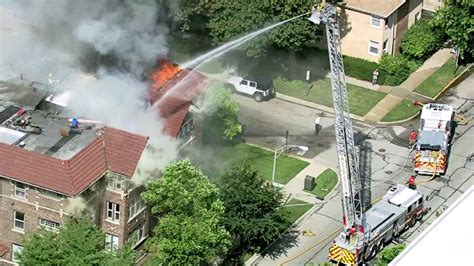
(258, 90)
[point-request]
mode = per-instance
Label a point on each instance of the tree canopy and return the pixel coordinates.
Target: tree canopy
(79, 242)
(421, 41)
(389, 253)
(190, 230)
(223, 112)
(456, 20)
(252, 213)
(227, 20)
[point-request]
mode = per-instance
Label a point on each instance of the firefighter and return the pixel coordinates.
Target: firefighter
(413, 136)
(412, 182)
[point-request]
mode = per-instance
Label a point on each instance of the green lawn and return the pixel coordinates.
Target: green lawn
(361, 100)
(262, 160)
(405, 109)
(435, 83)
(295, 212)
(325, 182)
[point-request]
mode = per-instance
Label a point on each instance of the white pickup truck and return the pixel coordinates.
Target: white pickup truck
(257, 90)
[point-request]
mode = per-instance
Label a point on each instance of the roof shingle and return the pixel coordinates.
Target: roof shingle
(176, 96)
(115, 150)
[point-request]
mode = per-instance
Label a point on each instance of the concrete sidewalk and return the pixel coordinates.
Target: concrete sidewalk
(397, 94)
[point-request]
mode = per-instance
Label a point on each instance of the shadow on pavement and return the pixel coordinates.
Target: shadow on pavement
(280, 247)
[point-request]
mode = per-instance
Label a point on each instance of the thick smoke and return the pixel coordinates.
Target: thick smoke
(119, 100)
(55, 36)
(114, 40)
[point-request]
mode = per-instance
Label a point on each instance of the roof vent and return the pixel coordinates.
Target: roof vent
(21, 144)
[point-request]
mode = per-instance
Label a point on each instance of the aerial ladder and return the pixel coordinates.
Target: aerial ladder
(364, 232)
(346, 150)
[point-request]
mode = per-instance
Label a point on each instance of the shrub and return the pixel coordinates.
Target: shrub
(389, 253)
(421, 41)
(359, 68)
(395, 69)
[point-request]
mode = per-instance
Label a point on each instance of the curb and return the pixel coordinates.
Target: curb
(449, 85)
(312, 105)
(399, 121)
(446, 88)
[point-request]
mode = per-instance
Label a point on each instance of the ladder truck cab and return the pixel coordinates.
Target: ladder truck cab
(434, 137)
(399, 209)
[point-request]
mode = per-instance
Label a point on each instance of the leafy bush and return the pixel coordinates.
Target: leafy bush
(394, 69)
(359, 68)
(389, 253)
(421, 41)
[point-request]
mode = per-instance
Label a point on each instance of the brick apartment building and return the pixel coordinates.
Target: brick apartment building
(371, 28)
(50, 169)
(81, 169)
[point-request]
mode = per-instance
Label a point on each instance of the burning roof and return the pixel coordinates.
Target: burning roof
(173, 90)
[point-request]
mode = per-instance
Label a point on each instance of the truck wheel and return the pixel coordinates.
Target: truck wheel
(412, 222)
(258, 97)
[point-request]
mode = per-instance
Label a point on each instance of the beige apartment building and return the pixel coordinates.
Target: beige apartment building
(50, 170)
(370, 28)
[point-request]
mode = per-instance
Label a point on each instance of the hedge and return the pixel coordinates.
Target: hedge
(359, 68)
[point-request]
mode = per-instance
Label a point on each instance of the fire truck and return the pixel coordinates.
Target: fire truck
(364, 232)
(434, 138)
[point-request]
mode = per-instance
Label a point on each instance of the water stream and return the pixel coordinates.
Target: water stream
(195, 63)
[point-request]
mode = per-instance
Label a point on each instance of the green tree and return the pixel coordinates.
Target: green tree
(190, 230)
(79, 242)
(421, 41)
(223, 118)
(252, 213)
(227, 20)
(389, 253)
(456, 20)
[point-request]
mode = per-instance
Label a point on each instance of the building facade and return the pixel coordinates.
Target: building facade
(41, 190)
(370, 28)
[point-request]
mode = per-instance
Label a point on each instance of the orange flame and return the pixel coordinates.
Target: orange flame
(165, 72)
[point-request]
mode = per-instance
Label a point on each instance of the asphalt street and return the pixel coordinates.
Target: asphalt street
(384, 159)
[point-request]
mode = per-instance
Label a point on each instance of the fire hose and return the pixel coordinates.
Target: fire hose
(434, 172)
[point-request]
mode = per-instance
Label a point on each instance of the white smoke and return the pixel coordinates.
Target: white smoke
(55, 36)
(119, 100)
(39, 37)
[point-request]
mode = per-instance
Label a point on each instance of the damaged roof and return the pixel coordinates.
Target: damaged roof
(176, 97)
(114, 150)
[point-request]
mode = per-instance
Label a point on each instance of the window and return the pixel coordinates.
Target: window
(373, 48)
(20, 190)
(186, 129)
(409, 208)
(49, 225)
(115, 183)
(375, 22)
(113, 211)
(243, 82)
(420, 201)
(137, 234)
(18, 220)
(253, 84)
(111, 242)
(135, 207)
(385, 46)
(16, 249)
